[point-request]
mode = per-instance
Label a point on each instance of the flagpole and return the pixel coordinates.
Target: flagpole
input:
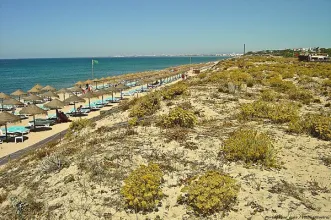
(92, 69)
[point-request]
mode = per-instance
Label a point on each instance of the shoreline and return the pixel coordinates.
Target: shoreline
(7, 149)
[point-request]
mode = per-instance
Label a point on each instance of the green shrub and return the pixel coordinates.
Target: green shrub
(316, 125)
(178, 117)
(209, 193)
(78, 125)
(302, 95)
(281, 85)
(269, 95)
(276, 112)
(146, 105)
(202, 75)
(142, 189)
(174, 90)
(250, 147)
(133, 121)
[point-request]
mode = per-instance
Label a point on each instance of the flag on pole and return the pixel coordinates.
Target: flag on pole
(95, 61)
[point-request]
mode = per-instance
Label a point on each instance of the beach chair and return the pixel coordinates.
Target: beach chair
(82, 112)
(113, 100)
(41, 123)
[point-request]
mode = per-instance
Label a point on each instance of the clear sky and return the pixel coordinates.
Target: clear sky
(92, 28)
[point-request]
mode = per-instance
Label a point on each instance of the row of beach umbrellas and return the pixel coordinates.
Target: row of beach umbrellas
(50, 92)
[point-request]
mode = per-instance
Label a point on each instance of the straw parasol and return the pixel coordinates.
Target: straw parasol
(37, 86)
(33, 110)
(76, 89)
(101, 93)
(50, 94)
(33, 98)
(5, 118)
(96, 82)
(88, 96)
(112, 90)
(18, 93)
(55, 104)
(64, 91)
(122, 87)
(74, 99)
(34, 90)
(12, 102)
(48, 88)
(79, 83)
(3, 96)
(88, 81)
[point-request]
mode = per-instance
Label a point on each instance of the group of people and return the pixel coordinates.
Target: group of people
(88, 88)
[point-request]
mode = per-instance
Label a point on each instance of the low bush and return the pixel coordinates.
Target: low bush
(302, 95)
(251, 147)
(316, 125)
(174, 90)
(281, 85)
(178, 117)
(269, 95)
(276, 112)
(202, 75)
(209, 193)
(142, 189)
(146, 105)
(78, 125)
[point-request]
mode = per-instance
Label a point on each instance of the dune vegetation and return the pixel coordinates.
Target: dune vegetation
(248, 138)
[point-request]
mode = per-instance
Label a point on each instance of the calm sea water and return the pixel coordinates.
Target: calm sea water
(59, 73)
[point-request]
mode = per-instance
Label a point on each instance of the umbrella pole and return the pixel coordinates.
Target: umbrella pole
(102, 99)
(75, 107)
(89, 103)
(121, 94)
(6, 133)
(34, 121)
(112, 96)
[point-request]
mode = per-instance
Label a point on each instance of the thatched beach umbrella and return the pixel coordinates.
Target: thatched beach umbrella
(96, 82)
(12, 102)
(18, 93)
(73, 99)
(88, 81)
(34, 90)
(3, 96)
(64, 91)
(33, 110)
(55, 104)
(50, 94)
(112, 90)
(101, 93)
(33, 98)
(5, 118)
(88, 96)
(37, 86)
(48, 88)
(76, 89)
(79, 83)
(122, 87)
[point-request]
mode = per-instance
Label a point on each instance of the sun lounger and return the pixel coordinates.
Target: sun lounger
(82, 112)
(112, 100)
(21, 116)
(41, 123)
(93, 107)
(16, 132)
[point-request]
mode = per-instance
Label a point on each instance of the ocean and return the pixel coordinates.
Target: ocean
(64, 72)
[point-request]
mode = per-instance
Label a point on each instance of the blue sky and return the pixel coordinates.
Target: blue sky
(81, 28)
